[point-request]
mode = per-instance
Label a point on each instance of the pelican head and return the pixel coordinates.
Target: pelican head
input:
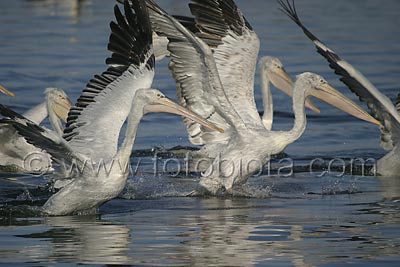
(58, 101)
(317, 86)
(155, 101)
(276, 73)
(5, 91)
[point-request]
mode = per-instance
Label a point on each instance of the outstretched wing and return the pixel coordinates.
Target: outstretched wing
(198, 85)
(235, 45)
(379, 104)
(94, 123)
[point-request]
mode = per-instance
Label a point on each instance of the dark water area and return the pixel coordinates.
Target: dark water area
(310, 218)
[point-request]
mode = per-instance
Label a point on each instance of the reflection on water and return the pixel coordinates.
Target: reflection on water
(85, 240)
(296, 231)
(303, 220)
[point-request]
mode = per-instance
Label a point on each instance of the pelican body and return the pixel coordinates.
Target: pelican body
(93, 188)
(214, 72)
(382, 108)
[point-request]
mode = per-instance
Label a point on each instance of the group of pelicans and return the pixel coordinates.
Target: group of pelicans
(213, 58)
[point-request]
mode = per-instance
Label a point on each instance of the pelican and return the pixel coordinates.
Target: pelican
(379, 104)
(5, 91)
(16, 155)
(122, 93)
(246, 144)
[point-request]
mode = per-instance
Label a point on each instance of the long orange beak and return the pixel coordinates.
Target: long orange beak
(333, 97)
(168, 106)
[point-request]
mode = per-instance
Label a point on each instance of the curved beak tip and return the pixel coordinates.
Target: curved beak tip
(333, 97)
(316, 110)
(168, 106)
(378, 123)
(310, 105)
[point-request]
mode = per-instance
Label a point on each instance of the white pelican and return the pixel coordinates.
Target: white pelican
(246, 145)
(379, 104)
(5, 91)
(91, 136)
(16, 155)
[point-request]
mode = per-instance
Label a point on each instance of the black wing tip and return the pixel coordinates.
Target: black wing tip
(9, 113)
(116, 9)
(330, 56)
(130, 43)
(34, 135)
(28, 130)
(131, 35)
(230, 8)
(14, 119)
(156, 8)
(333, 59)
(290, 10)
(216, 17)
(12, 115)
(188, 22)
